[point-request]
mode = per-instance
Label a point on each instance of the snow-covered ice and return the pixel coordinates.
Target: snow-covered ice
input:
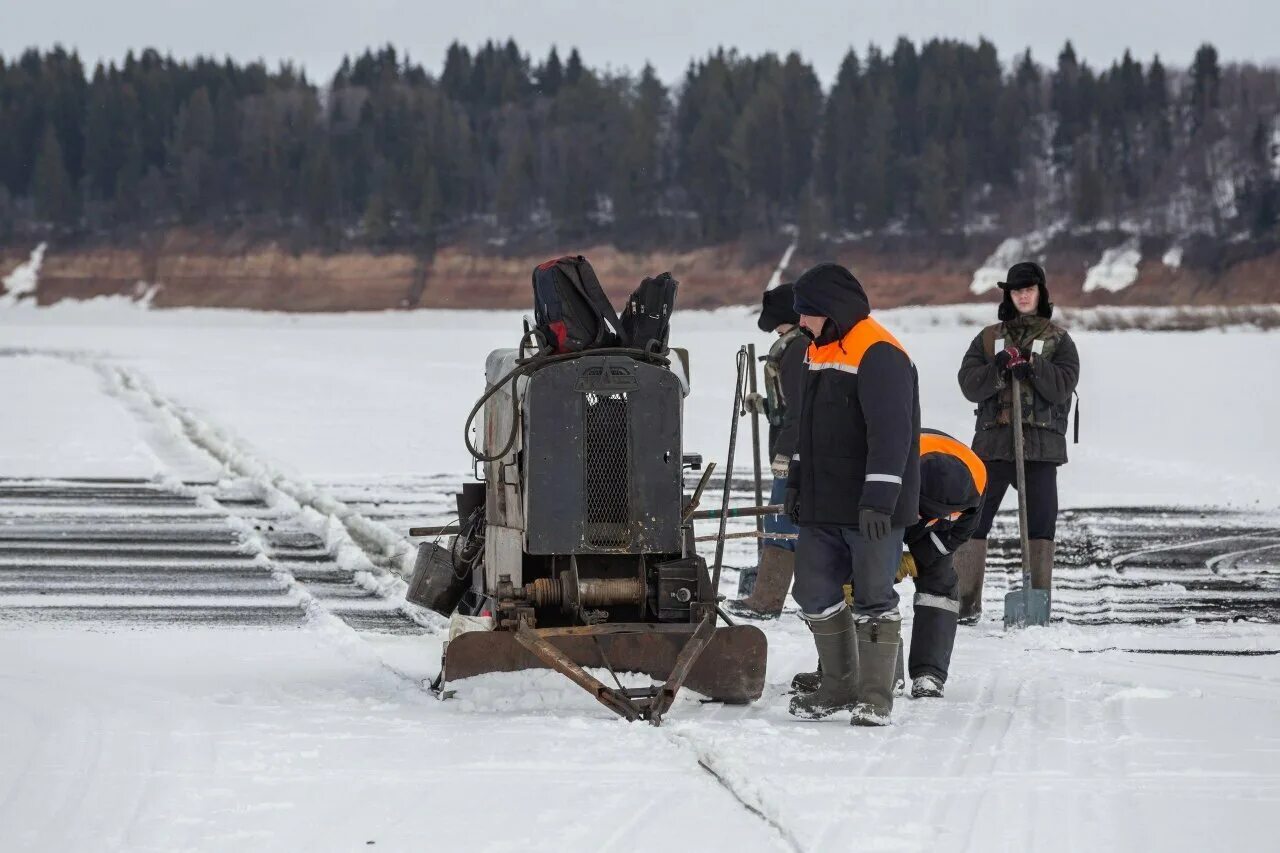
(321, 738)
(373, 395)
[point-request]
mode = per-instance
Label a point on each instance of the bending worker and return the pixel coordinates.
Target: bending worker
(952, 480)
(853, 489)
(784, 375)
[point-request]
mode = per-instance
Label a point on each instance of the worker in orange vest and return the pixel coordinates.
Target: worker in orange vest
(852, 489)
(952, 481)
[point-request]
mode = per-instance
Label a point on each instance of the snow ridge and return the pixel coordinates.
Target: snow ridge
(379, 556)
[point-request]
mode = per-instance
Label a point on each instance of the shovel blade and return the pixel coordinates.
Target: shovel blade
(730, 669)
(1026, 607)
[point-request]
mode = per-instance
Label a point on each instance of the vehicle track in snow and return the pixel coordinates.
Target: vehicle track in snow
(237, 553)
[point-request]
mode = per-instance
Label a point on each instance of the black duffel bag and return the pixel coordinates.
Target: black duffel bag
(646, 321)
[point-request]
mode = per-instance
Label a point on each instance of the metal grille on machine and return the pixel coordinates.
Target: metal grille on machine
(606, 472)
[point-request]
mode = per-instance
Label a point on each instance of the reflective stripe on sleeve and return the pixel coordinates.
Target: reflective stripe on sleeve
(937, 543)
(832, 365)
(884, 478)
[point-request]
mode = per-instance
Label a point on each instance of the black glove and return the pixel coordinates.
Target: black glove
(1021, 371)
(1002, 361)
(791, 505)
(873, 523)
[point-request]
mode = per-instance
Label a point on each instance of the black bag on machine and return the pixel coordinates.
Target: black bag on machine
(646, 321)
(570, 307)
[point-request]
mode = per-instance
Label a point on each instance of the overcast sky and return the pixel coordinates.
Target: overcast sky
(667, 33)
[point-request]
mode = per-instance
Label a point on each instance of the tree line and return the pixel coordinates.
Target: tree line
(939, 138)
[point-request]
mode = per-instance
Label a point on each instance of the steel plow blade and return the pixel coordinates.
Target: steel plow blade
(730, 669)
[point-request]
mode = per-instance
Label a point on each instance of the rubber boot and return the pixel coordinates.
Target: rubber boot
(806, 682)
(932, 640)
(1042, 565)
(878, 640)
(971, 568)
(838, 654)
(773, 582)
(899, 675)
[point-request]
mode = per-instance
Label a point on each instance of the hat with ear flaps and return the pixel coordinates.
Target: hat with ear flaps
(777, 308)
(1020, 275)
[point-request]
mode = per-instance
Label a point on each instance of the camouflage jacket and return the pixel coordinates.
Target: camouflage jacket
(784, 375)
(1046, 398)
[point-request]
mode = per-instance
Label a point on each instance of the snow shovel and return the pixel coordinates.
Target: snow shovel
(1026, 606)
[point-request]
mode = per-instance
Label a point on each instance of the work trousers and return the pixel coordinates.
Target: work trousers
(1042, 497)
(827, 558)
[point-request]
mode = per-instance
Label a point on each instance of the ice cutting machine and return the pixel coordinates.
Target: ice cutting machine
(576, 548)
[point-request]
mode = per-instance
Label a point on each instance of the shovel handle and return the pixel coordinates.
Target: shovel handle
(1020, 469)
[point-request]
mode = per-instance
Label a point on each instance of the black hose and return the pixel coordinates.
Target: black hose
(530, 365)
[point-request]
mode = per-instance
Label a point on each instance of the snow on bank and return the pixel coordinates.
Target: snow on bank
(1117, 269)
(23, 280)
(1009, 252)
(1172, 258)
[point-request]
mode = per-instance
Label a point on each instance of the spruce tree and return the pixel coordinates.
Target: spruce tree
(55, 199)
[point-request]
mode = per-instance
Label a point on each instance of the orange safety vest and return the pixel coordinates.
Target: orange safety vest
(933, 443)
(846, 354)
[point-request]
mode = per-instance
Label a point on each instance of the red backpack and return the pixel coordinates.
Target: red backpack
(570, 307)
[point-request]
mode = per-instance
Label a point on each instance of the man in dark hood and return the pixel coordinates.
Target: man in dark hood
(766, 589)
(853, 489)
(1028, 346)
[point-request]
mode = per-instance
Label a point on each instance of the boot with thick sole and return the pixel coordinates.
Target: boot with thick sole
(806, 682)
(1042, 565)
(878, 640)
(838, 655)
(971, 568)
(926, 687)
(772, 583)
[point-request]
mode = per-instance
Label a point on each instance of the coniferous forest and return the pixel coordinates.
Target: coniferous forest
(940, 138)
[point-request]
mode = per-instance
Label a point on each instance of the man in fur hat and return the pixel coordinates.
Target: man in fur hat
(1027, 345)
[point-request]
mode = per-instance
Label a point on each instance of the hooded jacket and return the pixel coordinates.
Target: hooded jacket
(858, 439)
(952, 482)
